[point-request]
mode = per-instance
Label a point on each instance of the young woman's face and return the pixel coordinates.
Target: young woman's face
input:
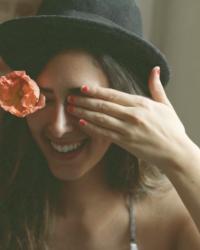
(53, 123)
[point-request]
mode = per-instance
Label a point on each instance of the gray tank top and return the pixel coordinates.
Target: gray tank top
(133, 245)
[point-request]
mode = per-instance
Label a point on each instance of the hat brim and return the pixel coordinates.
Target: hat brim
(27, 41)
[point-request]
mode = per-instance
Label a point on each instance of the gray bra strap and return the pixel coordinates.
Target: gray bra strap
(132, 219)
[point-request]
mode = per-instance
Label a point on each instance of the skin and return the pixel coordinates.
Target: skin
(85, 193)
(55, 124)
(132, 122)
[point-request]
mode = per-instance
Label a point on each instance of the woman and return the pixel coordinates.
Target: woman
(132, 180)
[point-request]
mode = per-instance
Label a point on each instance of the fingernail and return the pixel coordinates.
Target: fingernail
(82, 122)
(71, 99)
(70, 109)
(157, 71)
(85, 88)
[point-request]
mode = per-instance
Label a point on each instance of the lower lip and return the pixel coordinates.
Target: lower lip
(70, 155)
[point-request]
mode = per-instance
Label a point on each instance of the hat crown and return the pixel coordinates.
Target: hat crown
(124, 13)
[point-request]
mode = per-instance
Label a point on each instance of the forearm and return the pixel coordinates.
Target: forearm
(184, 173)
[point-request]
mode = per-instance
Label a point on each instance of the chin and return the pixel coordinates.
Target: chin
(67, 173)
(87, 162)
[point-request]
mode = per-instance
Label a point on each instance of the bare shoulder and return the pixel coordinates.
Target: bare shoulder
(186, 236)
(164, 222)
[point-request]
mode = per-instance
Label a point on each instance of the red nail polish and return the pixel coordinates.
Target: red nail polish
(85, 88)
(70, 109)
(82, 122)
(71, 99)
(158, 71)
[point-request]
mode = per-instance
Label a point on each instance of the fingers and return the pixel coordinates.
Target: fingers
(115, 96)
(156, 88)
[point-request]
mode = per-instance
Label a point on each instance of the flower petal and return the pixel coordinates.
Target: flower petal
(19, 94)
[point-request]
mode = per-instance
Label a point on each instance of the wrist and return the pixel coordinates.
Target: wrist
(186, 157)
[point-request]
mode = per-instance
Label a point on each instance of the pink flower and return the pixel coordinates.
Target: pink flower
(19, 94)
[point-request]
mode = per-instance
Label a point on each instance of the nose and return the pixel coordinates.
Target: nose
(60, 123)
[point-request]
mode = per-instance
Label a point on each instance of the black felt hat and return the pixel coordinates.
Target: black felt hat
(113, 26)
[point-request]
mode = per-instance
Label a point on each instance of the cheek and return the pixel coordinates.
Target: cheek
(36, 121)
(101, 146)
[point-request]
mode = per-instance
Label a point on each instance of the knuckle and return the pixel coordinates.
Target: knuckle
(138, 120)
(102, 106)
(144, 103)
(113, 97)
(100, 119)
(135, 116)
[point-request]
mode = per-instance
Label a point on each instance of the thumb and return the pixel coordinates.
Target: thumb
(156, 88)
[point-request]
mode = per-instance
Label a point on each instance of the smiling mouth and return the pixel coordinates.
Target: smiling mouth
(72, 154)
(64, 149)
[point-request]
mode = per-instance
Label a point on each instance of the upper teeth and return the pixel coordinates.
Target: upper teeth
(65, 148)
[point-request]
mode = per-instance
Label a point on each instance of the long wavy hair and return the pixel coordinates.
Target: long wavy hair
(29, 191)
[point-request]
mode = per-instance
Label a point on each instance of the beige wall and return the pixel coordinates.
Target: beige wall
(12, 8)
(174, 27)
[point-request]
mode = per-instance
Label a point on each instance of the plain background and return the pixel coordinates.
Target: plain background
(173, 26)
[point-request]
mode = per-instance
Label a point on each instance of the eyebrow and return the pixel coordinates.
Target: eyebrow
(46, 90)
(75, 90)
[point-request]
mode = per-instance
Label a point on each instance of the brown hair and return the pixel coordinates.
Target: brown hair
(29, 191)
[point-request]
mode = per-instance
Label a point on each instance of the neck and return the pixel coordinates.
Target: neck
(94, 212)
(85, 200)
